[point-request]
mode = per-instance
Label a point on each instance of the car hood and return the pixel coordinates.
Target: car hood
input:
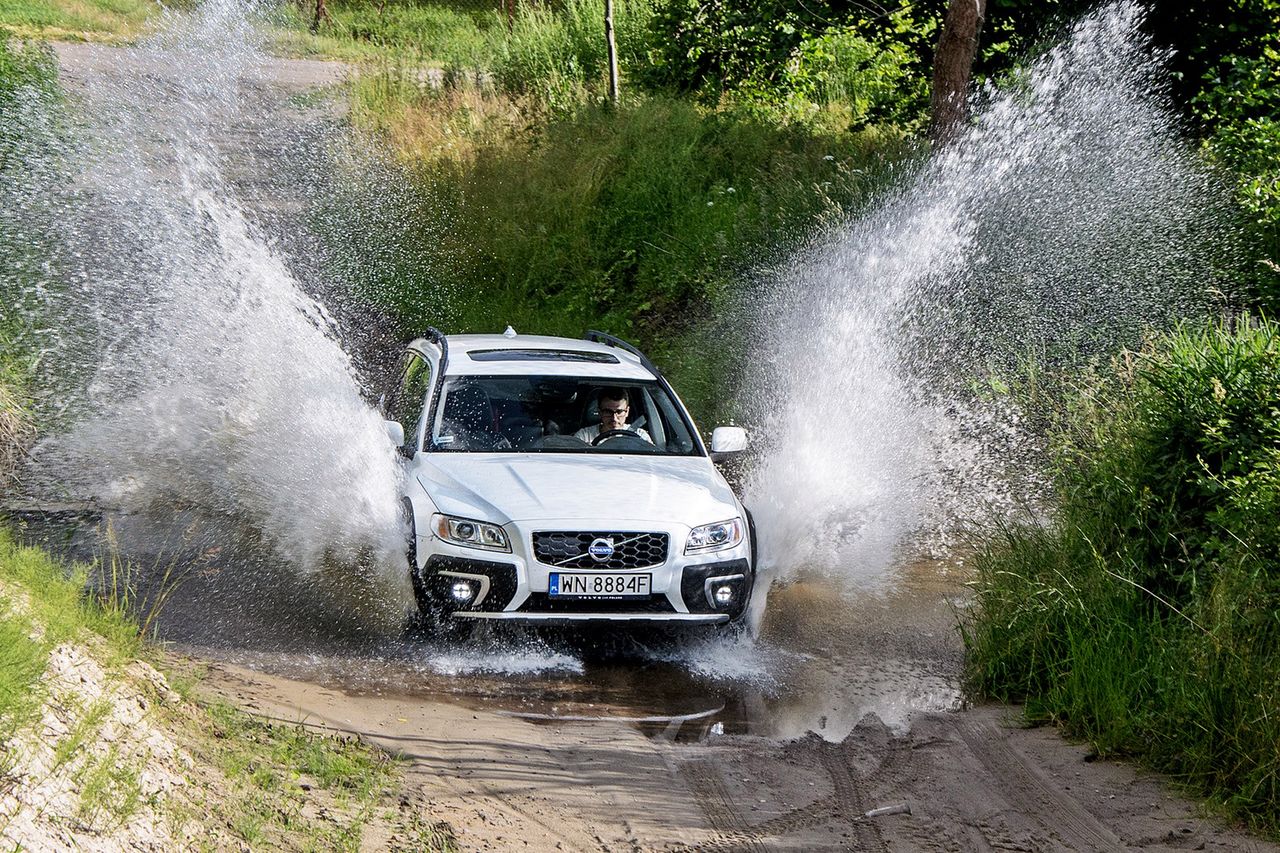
(506, 487)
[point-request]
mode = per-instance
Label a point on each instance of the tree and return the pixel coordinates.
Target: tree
(953, 67)
(322, 14)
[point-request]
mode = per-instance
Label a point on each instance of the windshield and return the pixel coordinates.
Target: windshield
(558, 414)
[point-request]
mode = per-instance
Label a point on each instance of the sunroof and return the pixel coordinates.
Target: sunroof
(541, 355)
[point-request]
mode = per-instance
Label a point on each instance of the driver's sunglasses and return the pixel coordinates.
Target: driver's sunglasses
(614, 412)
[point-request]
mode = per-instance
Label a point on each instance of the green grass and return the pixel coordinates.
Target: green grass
(268, 765)
(89, 20)
(110, 789)
(1146, 617)
(28, 76)
(22, 661)
(56, 601)
(436, 34)
(41, 606)
(557, 54)
(271, 771)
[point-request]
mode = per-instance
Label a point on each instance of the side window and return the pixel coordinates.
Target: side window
(411, 395)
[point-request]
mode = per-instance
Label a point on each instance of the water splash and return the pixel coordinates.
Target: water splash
(531, 658)
(1066, 220)
(189, 362)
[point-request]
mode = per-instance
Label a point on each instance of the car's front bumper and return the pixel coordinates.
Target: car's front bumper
(515, 585)
(579, 618)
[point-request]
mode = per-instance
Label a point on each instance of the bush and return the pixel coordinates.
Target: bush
(1145, 617)
(1226, 68)
(792, 59)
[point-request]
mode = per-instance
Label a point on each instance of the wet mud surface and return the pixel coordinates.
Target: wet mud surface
(823, 657)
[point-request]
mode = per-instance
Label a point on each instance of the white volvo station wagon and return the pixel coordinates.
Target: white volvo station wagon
(552, 480)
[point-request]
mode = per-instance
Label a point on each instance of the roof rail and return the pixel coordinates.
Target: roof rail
(614, 341)
(437, 337)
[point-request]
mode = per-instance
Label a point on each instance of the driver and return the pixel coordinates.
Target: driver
(615, 407)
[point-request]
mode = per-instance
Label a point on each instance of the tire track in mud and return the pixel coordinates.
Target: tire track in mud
(846, 804)
(1031, 794)
(850, 797)
(731, 831)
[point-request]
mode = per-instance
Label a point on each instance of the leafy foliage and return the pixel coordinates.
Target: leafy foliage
(1237, 101)
(792, 57)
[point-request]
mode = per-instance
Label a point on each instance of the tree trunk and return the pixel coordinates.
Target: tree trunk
(322, 14)
(613, 52)
(953, 66)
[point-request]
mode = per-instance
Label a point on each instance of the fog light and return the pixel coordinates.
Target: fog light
(462, 592)
(723, 595)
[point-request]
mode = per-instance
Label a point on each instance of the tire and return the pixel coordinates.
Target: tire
(738, 623)
(421, 596)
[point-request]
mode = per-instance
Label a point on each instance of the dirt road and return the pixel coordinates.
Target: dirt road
(854, 707)
(972, 780)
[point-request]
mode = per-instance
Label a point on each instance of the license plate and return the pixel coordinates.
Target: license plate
(598, 585)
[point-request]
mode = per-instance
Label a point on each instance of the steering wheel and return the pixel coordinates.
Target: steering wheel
(609, 435)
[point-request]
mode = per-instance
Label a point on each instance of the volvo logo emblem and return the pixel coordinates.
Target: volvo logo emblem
(600, 549)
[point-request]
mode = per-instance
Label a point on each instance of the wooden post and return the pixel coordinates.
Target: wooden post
(510, 7)
(613, 52)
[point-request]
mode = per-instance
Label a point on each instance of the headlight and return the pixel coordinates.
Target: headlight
(714, 537)
(469, 533)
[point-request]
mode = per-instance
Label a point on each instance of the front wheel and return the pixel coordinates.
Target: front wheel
(432, 619)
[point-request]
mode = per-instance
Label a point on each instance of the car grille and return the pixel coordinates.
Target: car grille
(569, 549)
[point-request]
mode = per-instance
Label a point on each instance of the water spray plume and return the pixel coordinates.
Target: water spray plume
(192, 366)
(1065, 221)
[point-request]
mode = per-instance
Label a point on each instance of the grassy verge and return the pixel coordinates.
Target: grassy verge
(77, 20)
(1146, 618)
(41, 610)
(28, 83)
(439, 34)
(243, 781)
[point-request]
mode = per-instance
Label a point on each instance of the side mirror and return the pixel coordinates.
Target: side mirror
(395, 432)
(727, 441)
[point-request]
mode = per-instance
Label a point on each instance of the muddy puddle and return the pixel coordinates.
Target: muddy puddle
(824, 657)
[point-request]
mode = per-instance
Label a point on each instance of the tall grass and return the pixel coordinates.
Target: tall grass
(1146, 618)
(41, 605)
(558, 52)
(28, 81)
(641, 220)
